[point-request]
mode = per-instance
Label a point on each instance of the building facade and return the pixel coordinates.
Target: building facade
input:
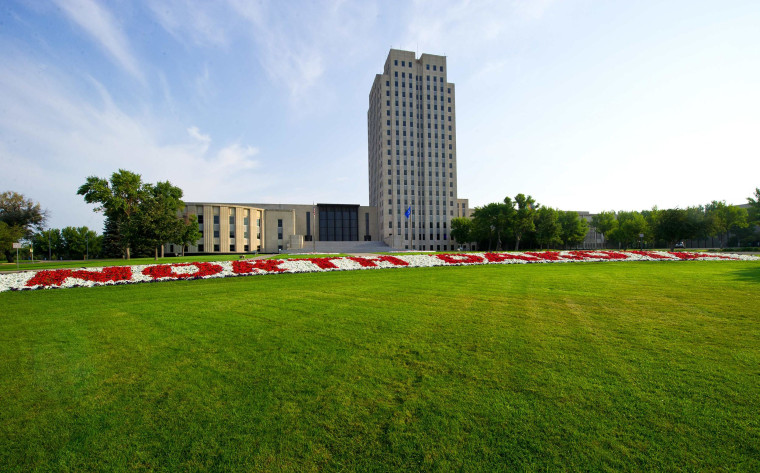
(271, 228)
(412, 156)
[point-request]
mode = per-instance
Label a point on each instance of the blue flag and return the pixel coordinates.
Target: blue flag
(408, 212)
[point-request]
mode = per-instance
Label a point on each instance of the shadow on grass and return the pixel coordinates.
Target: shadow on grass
(749, 274)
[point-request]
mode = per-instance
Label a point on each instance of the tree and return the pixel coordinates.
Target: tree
(524, 224)
(754, 211)
(461, 230)
(191, 233)
(21, 216)
(604, 223)
(630, 226)
(8, 236)
(672, 226)
(548, 228)
(112, 240)
(157, 216)
(574, 228)
(492, 221)
(119, 199)
(722, 218)
(49, 243)
(79, 242)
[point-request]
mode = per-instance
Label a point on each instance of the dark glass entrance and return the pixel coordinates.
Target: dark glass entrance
(338, 222)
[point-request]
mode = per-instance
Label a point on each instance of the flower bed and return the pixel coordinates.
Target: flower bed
(172, 272)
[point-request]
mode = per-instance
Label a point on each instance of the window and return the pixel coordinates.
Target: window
(216, 233)
(216, 220)
(232, 247)
(200, 218)
(232, 220)
(200, 248)
(216, 247)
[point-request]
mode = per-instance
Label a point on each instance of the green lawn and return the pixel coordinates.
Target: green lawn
(583, 366)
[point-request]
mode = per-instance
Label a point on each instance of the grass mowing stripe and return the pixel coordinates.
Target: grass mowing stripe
(624, 366)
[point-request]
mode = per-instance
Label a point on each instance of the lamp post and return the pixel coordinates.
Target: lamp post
(87, 244)
(641, 241)
(50, 252)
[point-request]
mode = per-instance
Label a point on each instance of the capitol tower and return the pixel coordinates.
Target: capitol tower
(412, 152)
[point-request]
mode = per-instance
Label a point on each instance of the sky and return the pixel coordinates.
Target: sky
(583, 104)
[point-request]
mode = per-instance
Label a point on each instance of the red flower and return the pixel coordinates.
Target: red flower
(460, 258)
(268, 265)
(323, 263)
(167, 270)
(58, 276)
(499, 257)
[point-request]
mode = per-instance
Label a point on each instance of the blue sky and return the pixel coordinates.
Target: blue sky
(586, 105)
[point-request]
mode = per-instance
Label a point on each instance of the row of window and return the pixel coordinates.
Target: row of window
(201, 248)
(403, 64)
(232, 220)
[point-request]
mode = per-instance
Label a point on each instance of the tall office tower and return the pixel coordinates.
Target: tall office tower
(412, 151)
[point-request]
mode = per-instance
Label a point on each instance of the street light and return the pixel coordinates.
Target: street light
(50, 253)
(87, 243)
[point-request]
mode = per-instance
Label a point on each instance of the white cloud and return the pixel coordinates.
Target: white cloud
(54, 137)
(100, 24)
(203, 140)
(189, 20)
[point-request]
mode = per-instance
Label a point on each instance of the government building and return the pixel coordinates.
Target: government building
(412, 160)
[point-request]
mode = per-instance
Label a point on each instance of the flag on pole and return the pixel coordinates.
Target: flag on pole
(408, 212)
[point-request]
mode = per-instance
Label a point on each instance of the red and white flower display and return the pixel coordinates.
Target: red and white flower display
(57, 278)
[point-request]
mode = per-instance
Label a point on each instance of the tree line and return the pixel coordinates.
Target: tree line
(67, 243)
(521, 221)
(510, 223)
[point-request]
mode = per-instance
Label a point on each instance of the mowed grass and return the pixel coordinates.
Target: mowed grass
(583, 366)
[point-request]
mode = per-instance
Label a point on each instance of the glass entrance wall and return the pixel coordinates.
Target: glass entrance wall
(338, 222)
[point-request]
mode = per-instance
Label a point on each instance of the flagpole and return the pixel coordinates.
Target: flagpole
(412, 245)
(313, 227)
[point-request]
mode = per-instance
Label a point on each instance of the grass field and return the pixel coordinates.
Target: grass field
(584, 366)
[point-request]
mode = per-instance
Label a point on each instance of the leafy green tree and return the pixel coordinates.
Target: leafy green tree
(491, 222)
(119, 199)
(574, 228)
(548, 228)
(80, 241)
(723, 218)
(754, 211)
(191, 232)
(461, 230)
(672, 226)
(157, 216)
(21, 216)
(8, 236)
(630, 226)
(49, 243)
(524, 217)
(604, 223)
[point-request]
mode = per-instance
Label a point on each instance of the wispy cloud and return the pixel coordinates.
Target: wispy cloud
(98, 22)
(190, 22)
(74, 136)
